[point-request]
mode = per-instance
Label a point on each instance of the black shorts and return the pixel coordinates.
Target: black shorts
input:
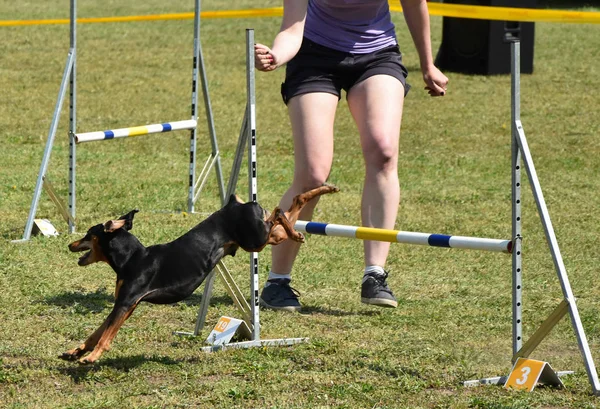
(317, 68)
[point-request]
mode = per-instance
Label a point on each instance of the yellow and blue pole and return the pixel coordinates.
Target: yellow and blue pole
(397, 236)
(135, 131)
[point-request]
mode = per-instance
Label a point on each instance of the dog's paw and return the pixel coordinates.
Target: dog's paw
(67, 356)
(71, 355)
(86, 361)
(331, 188)
(299, 237)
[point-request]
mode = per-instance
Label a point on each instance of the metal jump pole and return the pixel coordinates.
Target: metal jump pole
(569, 299)
(252, 176)
(72, 117)
(517, 277)
(521, 153)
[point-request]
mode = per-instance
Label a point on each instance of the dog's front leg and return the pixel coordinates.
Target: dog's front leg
(88, 345)
(112, 325)
(282, 229)
(283, 222)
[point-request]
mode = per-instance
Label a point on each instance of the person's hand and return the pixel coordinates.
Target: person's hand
(436, 82)
(264, 60)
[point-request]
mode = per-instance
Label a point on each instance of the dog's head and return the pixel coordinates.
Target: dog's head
(99, 236)
(247, 228)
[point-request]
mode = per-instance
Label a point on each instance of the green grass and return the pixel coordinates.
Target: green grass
(454, 318)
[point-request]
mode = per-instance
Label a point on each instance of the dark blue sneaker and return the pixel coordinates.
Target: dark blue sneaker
(278, 295)
(375, 291)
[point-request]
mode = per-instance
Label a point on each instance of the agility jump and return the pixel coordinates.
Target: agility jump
(68, 83)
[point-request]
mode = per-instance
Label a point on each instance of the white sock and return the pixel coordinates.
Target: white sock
(273, 275)
(377, 270)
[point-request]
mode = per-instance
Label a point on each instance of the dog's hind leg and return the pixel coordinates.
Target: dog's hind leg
(302, 199)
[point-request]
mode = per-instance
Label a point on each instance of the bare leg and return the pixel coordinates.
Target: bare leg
(376, 106)
(312, 116)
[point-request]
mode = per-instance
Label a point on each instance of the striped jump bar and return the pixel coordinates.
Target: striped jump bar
(135, 131)
(395, 236)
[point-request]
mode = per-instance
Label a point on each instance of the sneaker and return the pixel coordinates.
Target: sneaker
(278, 295)
(375, 291)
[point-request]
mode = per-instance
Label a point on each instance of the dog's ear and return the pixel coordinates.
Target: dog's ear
(124, 222)
(128, 218)
(234, 199)
(113, 225)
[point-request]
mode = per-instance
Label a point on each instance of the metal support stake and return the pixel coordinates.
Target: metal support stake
(73, 118)
(252, 177)
(517, 282)
(206, 295)
(194, 131)
(198, 68)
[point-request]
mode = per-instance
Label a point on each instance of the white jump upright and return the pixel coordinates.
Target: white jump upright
(521, 154)
(251, 311)
(69, 81)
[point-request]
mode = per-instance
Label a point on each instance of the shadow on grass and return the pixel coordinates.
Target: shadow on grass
(313, 309)
(83, 303)
(86, 373)
(101, 299)
(196, 299)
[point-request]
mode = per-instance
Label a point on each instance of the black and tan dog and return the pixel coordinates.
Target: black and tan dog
(168, 273)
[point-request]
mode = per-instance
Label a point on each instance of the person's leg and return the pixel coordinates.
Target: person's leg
(376, 106)
(312, 116)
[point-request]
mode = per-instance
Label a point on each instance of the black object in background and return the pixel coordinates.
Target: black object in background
(472, 46)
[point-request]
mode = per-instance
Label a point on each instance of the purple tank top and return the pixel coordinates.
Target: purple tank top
(354, 26)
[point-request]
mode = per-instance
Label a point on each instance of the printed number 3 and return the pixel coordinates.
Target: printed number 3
(523, 379)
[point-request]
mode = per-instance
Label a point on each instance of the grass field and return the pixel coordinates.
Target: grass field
(453, 322)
